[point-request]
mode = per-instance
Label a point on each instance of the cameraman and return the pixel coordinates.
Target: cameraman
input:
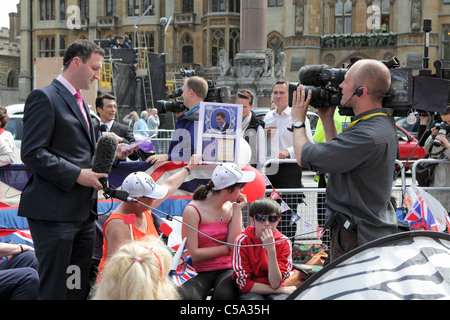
(195, 90)
(441, 175)
(360, 160)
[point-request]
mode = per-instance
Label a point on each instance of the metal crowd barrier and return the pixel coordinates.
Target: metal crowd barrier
(162, 141)
(442, 194)
(312, 210)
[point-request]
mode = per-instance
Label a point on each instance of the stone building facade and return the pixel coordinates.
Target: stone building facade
(9, 62)
(206, 34)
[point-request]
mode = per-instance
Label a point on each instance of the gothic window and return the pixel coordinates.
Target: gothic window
(275, 3)
(146, 4)
(446, 43)
(47, 9)
(343, 17)
(150, 42)
(62, 10)
(187, 49)
(110, 6)
(84, 8)
(234, 46)
(62, 46)
(187, 6)
(382, 8)
(218, 42)
(12, 80)
(47, 47)
(234, 6)
(218, 6)
(133, 8)
(138, 7)
(276, 44)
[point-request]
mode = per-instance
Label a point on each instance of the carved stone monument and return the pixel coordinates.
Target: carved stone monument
(253, 67)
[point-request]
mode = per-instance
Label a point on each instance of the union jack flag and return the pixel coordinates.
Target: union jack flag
(16, 236)
(185, 270)
(420, 216)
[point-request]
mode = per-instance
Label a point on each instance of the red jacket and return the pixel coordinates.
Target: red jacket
(250, 264)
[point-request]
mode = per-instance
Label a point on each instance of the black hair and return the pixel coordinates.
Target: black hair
(83, 49)
(264, 206)
(202, 192)
(99, 100)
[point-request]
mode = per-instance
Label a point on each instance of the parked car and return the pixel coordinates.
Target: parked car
(411, 128)
(409, 149)
(15, 124)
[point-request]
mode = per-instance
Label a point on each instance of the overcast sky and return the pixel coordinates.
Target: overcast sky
(7, 6)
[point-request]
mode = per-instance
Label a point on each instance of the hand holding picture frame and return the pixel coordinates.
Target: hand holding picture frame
(219, 135)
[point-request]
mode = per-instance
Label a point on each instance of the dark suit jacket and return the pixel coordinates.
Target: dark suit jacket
(123, 131)
(56, 145)
(225, 127)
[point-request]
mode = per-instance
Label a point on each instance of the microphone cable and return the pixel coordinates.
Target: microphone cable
(170, 218)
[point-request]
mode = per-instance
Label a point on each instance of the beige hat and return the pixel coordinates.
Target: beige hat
(227, 174)
(141, 184)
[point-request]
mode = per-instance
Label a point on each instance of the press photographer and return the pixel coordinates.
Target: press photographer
(194, 91)
(359, 160)
(438, 147)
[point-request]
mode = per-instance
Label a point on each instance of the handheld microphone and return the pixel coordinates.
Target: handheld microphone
(118, 194)
(103, 128)
(102, 163)
(104, 156)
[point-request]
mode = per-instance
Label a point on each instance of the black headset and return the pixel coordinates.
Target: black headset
(359, 92)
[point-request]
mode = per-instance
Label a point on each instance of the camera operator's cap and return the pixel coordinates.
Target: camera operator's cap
(227, 174)
(141, 184)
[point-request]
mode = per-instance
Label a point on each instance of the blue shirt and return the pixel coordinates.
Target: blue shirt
(184, 137)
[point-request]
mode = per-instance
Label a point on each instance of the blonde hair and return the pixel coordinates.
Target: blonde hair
(138, 271)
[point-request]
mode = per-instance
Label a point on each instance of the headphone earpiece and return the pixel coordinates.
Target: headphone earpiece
(359, 92)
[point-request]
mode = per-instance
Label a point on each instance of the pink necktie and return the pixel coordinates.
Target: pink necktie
(81, 104)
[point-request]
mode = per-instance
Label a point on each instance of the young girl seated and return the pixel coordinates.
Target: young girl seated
(217, 212)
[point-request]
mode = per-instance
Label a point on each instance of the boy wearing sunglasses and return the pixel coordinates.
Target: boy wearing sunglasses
(262, 257)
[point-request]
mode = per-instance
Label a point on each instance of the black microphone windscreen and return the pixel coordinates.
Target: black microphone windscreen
(105, 154)
(310, 75)
(103, 128)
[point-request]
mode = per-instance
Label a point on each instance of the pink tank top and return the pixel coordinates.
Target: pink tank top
(216, 230)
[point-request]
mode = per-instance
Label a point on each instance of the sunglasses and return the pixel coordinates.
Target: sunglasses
(262, 218)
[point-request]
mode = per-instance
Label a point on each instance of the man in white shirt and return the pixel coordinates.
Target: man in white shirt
(280, 146)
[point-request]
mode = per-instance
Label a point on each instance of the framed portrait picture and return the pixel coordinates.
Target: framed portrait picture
(220, 126)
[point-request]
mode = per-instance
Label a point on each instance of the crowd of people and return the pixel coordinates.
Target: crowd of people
(58, 144)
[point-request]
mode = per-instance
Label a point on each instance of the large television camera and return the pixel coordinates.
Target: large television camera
(425, 92)
(215, 94)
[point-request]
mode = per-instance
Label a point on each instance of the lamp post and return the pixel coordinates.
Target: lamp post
(165, 23)
(136, 44)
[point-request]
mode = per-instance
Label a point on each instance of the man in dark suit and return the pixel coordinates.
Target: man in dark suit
(58, 145)
(106, 107)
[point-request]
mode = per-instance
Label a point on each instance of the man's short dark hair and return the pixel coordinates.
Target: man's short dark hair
(99, 100)
(83, 49)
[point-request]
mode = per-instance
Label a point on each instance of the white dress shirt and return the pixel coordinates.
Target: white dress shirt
(283, 138)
